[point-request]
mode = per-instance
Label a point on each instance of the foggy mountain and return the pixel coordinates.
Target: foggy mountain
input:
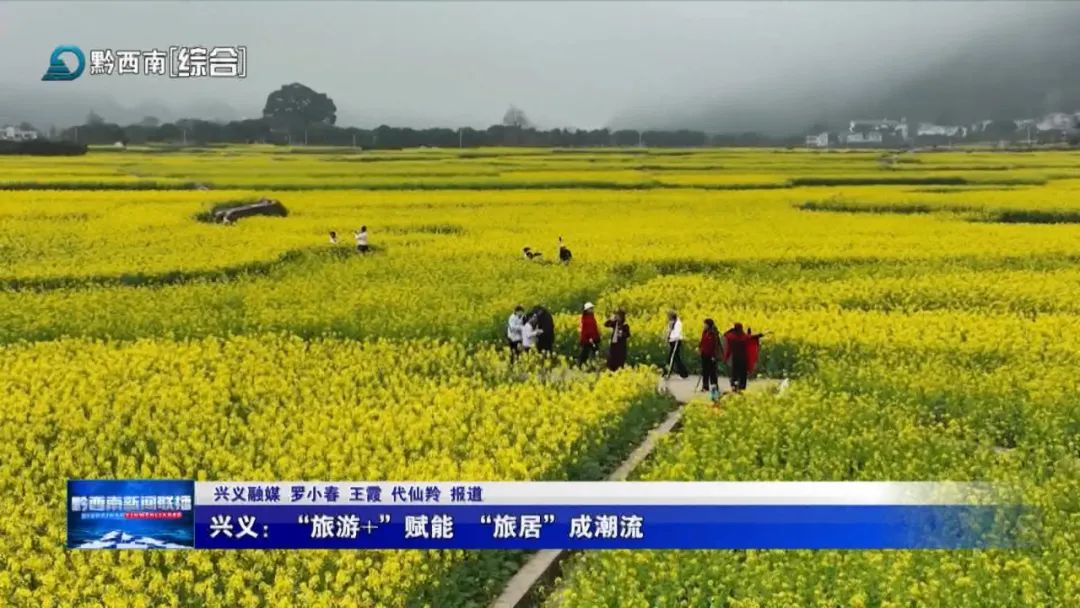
(61, 107)
(722, 67)
(1008, 71)
(1021, 74)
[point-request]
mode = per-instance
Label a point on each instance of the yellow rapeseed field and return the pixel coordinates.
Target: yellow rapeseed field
(924, 306)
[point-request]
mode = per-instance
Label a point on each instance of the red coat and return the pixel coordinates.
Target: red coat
(742, 346)
(588, 331)
(753, 347)
(708, 344)
(735, 344)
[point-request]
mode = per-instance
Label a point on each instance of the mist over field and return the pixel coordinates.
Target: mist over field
(940, 62)
(776, 68)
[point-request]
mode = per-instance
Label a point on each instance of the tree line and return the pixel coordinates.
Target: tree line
(196, 131)
(296, 114)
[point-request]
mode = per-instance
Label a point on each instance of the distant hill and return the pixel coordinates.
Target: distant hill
(1016, 70)
(1021, 73)
(64, 108)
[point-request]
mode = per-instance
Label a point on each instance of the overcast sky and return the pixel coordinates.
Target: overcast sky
(459, 63)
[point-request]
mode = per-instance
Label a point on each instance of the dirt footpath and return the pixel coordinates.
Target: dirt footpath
(688, 389)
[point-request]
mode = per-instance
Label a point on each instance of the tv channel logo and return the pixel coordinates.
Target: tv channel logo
(130, 514)
(58, 70)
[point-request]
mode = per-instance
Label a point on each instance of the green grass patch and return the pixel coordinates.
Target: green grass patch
(839, 206)
(940, 180)
(1028, 216)
(91, 185)
(174, 277)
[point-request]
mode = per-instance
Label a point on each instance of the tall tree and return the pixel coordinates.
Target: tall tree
(295, 106)
(515, 117)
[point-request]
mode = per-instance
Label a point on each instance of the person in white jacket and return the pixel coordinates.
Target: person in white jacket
(513, 330)
(674, 340)
(529, 332)
(361, 239)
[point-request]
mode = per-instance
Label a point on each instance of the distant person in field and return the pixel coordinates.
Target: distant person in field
(513, 331)
(737, 351)
(530, 333)
(564, 252)
(333, 238)
(361, 239)
(588, 334)
(620, 338)
(674, 340)
(709, 348)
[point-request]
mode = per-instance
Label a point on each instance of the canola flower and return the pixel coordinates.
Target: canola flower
(816, 431)
(439, 253)
(279, 407)
(930, 335)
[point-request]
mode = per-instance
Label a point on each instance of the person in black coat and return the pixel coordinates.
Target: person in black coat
(546, 323)
(564, 252)
(620, 337)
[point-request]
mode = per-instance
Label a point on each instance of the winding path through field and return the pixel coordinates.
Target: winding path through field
(543, 565)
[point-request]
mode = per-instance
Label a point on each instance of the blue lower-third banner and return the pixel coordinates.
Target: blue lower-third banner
(172, 514)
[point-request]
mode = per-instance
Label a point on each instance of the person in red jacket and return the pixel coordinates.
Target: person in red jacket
(588, 334)
(753, 348)
(739, 345)
(709, 348)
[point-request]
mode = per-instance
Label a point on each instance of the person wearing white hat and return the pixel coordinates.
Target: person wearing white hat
(588, 334)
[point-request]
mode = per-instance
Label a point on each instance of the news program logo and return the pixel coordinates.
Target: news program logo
(130, 514)
(58, 70)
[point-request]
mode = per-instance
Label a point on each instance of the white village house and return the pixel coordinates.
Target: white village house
(10, 133)
(863, 137)
(888, 128)
(821, 140)
(927, 129)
